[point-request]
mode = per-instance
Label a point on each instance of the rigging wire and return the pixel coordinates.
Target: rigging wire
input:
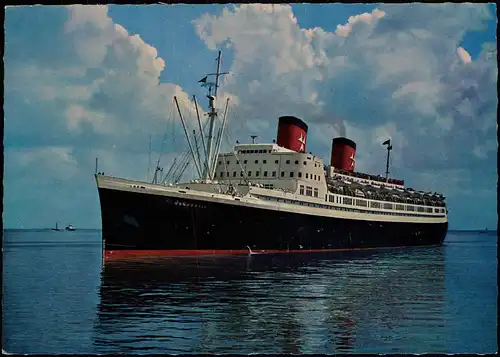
(231, 128)
(173, 168)
(171, 123)
(227, 173)
(179, 176)
(228, 139)
(164, 137)
(185, 158)
(240, 126)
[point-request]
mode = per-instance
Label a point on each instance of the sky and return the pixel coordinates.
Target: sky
(89, 81)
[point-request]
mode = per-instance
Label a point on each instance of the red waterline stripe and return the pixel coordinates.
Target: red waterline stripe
(121, 254)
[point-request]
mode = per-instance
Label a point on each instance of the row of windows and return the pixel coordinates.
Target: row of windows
(260, 151)
(374, 204)
(334, 199)
(228, 162)
(309, 191)
(273, 174)
(346, 208)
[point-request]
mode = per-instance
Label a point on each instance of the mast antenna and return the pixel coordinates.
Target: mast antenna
(253, 138)
(389, 148)
(212, 114)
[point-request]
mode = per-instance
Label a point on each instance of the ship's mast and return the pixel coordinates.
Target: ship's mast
(389, 148)
(212, 114)
(207, 168)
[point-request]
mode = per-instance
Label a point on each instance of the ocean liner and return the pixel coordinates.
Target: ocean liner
(264, 198)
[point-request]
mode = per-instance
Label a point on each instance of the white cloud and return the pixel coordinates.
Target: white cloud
(80, 15)
(482, 151)
(464, 55)
(396, 65)
(56, 162)
(425, 94)
(110, 89)
(367, 18)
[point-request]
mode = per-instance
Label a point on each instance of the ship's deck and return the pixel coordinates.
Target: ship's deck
(366, 176)
(338, 186)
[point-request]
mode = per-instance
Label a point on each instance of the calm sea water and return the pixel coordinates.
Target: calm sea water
(59, 298)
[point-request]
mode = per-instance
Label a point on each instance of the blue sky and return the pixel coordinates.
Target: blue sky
(98, 80)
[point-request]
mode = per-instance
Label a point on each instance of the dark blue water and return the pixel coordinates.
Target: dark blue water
(59, 298)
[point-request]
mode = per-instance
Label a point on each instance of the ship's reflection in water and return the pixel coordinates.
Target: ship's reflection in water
(374, 301)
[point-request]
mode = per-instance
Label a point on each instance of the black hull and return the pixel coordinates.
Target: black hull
(139, 221)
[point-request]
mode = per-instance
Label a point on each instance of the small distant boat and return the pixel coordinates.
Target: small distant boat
(56, 229)
(70, 228)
